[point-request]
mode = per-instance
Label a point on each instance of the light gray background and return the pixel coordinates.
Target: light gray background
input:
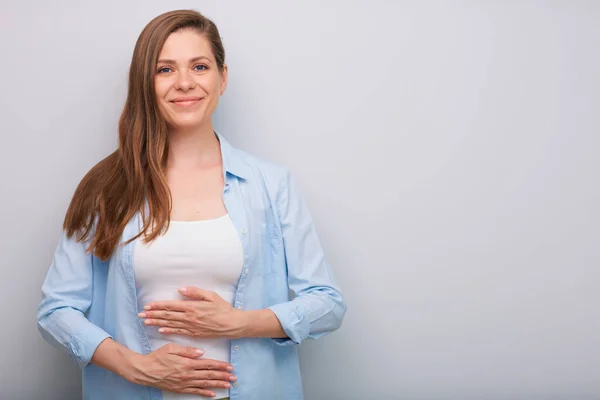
(448, 152)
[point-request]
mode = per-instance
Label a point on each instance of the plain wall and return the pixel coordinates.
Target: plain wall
(448, 152)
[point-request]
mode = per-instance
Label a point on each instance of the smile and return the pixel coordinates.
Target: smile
(187, 102)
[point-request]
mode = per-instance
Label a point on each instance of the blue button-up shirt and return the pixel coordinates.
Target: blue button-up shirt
(85, 300)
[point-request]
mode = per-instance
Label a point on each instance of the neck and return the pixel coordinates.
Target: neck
(193, 148)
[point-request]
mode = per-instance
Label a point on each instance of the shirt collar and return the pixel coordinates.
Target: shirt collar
(232, 162)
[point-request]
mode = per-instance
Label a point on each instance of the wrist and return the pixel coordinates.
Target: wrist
(239, 324)
(256, 324)
(132, 367)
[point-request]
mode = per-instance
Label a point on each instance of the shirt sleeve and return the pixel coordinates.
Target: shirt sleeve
(66, 297)
(317, 308)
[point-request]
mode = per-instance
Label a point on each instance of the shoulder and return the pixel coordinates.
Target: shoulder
(273, 177)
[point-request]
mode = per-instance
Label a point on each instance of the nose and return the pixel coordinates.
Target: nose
(184, 81)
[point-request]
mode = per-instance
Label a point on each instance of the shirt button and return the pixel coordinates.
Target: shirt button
(235, 384)
(238, 306)
(236, 347)
(246, 270)
(243, 231)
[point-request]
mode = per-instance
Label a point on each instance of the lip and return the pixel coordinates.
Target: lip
(186, 101)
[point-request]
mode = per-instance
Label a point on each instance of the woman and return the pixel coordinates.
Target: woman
(172, 278)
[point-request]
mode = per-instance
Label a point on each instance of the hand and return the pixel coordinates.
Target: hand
(176, 368)
(207, 315)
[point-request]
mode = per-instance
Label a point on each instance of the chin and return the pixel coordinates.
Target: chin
(187, 123)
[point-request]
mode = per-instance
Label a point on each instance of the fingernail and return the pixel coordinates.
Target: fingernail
(199, 352)
(230, 368)
(147, 308)
(227, 385)
(232, 378)
(182, 290)
(162, 330)
(142, 315)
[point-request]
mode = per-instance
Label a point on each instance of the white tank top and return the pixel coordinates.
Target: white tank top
(207, 254)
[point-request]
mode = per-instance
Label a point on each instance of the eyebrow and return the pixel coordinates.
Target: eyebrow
(192, 60)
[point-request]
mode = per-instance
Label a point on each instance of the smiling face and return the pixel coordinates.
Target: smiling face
(188, 82)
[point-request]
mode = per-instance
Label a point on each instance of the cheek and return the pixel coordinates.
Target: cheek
(161, 88)
(211, 84)
(215, 91)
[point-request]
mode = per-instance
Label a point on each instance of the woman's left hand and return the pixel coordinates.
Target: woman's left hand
(206, 314)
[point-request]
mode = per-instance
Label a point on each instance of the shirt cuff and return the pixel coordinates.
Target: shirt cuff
(293, 323)
(83, 344)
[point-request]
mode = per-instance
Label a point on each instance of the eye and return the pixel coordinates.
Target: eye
(200, 67)
(164, 70)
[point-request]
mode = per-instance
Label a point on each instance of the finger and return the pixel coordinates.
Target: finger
(171, 315)
(208, 364)
(201, 392)
(166, 323)
(206, 384)
(213, 375)
(160, 314)
(197, 293)
(183, 351)
(169, 305)
(175, 331)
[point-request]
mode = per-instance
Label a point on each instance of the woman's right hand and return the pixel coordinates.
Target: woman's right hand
(177, 369)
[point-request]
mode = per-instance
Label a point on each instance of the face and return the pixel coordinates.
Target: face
(187, 81)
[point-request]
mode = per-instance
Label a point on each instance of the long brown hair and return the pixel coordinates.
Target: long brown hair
(116, 188)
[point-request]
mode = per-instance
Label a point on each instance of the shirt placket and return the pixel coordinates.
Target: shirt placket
(235, 209)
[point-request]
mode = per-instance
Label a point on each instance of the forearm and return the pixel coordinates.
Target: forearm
(258, 324)
(116, 358)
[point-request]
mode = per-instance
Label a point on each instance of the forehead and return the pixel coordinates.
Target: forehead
(186, 44)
